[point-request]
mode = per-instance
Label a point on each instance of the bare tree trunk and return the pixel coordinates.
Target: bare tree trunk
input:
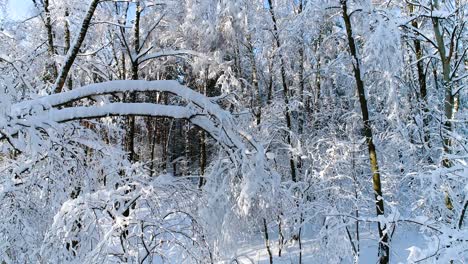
(384, 249)
(67, 44)
(267, 240)
(301, 220)
(318, 78)
(71, 55)
(270, 83)
(50, 39)
(280, 235)
(202, 180)
(122, 68)
(462, 214)
(165, 137)
(258, 99)
(450, 106)
(302, 113)
(153, 146)
(202, 160)
(421, 80)
(449, 98)
(136, 47)
(287, 111)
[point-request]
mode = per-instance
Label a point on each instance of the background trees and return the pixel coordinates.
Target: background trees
(295, 121)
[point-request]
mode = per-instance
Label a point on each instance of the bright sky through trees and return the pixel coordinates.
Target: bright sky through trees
(19, 9)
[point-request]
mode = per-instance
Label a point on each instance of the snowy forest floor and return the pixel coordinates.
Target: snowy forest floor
(404, 248)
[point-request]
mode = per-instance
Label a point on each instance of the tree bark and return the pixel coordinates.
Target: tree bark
(67, 43)
(202, 180)
(72, 53)
(384, 249)
(287, 111)
(302, 113)
(449, 98)
(202, 134)
(50, 40)
(258, 99)
(136, 47)
(267, 241)
(421, 80)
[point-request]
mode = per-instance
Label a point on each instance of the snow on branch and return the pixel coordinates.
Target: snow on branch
(244, 153)
(203, 104)
(138, 109)
(142, 57)
(118, 109)
(121, 86)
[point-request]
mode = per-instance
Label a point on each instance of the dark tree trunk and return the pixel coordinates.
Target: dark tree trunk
(131, 119)
(50, 39)
(384, 249)
(267, 240)
(421, 81)
(71, 55)
(67, 44)
(287, 111)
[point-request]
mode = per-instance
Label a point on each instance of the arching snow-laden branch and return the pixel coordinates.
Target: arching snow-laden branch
(198, 109)
(246, 155)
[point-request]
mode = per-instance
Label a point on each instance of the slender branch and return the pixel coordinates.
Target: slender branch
(73, 52)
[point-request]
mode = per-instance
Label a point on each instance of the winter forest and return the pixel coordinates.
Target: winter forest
(234, 131)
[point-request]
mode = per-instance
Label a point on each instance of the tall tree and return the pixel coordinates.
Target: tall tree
(384, 248)
(287, 111)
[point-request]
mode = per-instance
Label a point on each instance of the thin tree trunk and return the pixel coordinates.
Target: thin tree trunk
(300, 238)
(136, 47)
(302, 114)
(280, 236)
(50, 39)
(356, 211)
(72, 53)
(123, 69)
(287, 111)
(421, 80)
(318, 78)
(449, 98)
(153, 146)
(270, 83)
(267, 240)
(384, 249)
(462, 214)
(67, 43)
(258, 99)
(202, 180)
(450, 107)
(202, 161)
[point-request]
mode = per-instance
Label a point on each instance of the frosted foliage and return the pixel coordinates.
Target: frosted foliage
(233, 132)
(382, 50)
(90, 229)
(159, 227)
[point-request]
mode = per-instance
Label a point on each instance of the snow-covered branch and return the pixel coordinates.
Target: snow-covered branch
(142, 57)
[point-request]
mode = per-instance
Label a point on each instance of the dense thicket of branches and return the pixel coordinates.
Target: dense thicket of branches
(178, 130)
